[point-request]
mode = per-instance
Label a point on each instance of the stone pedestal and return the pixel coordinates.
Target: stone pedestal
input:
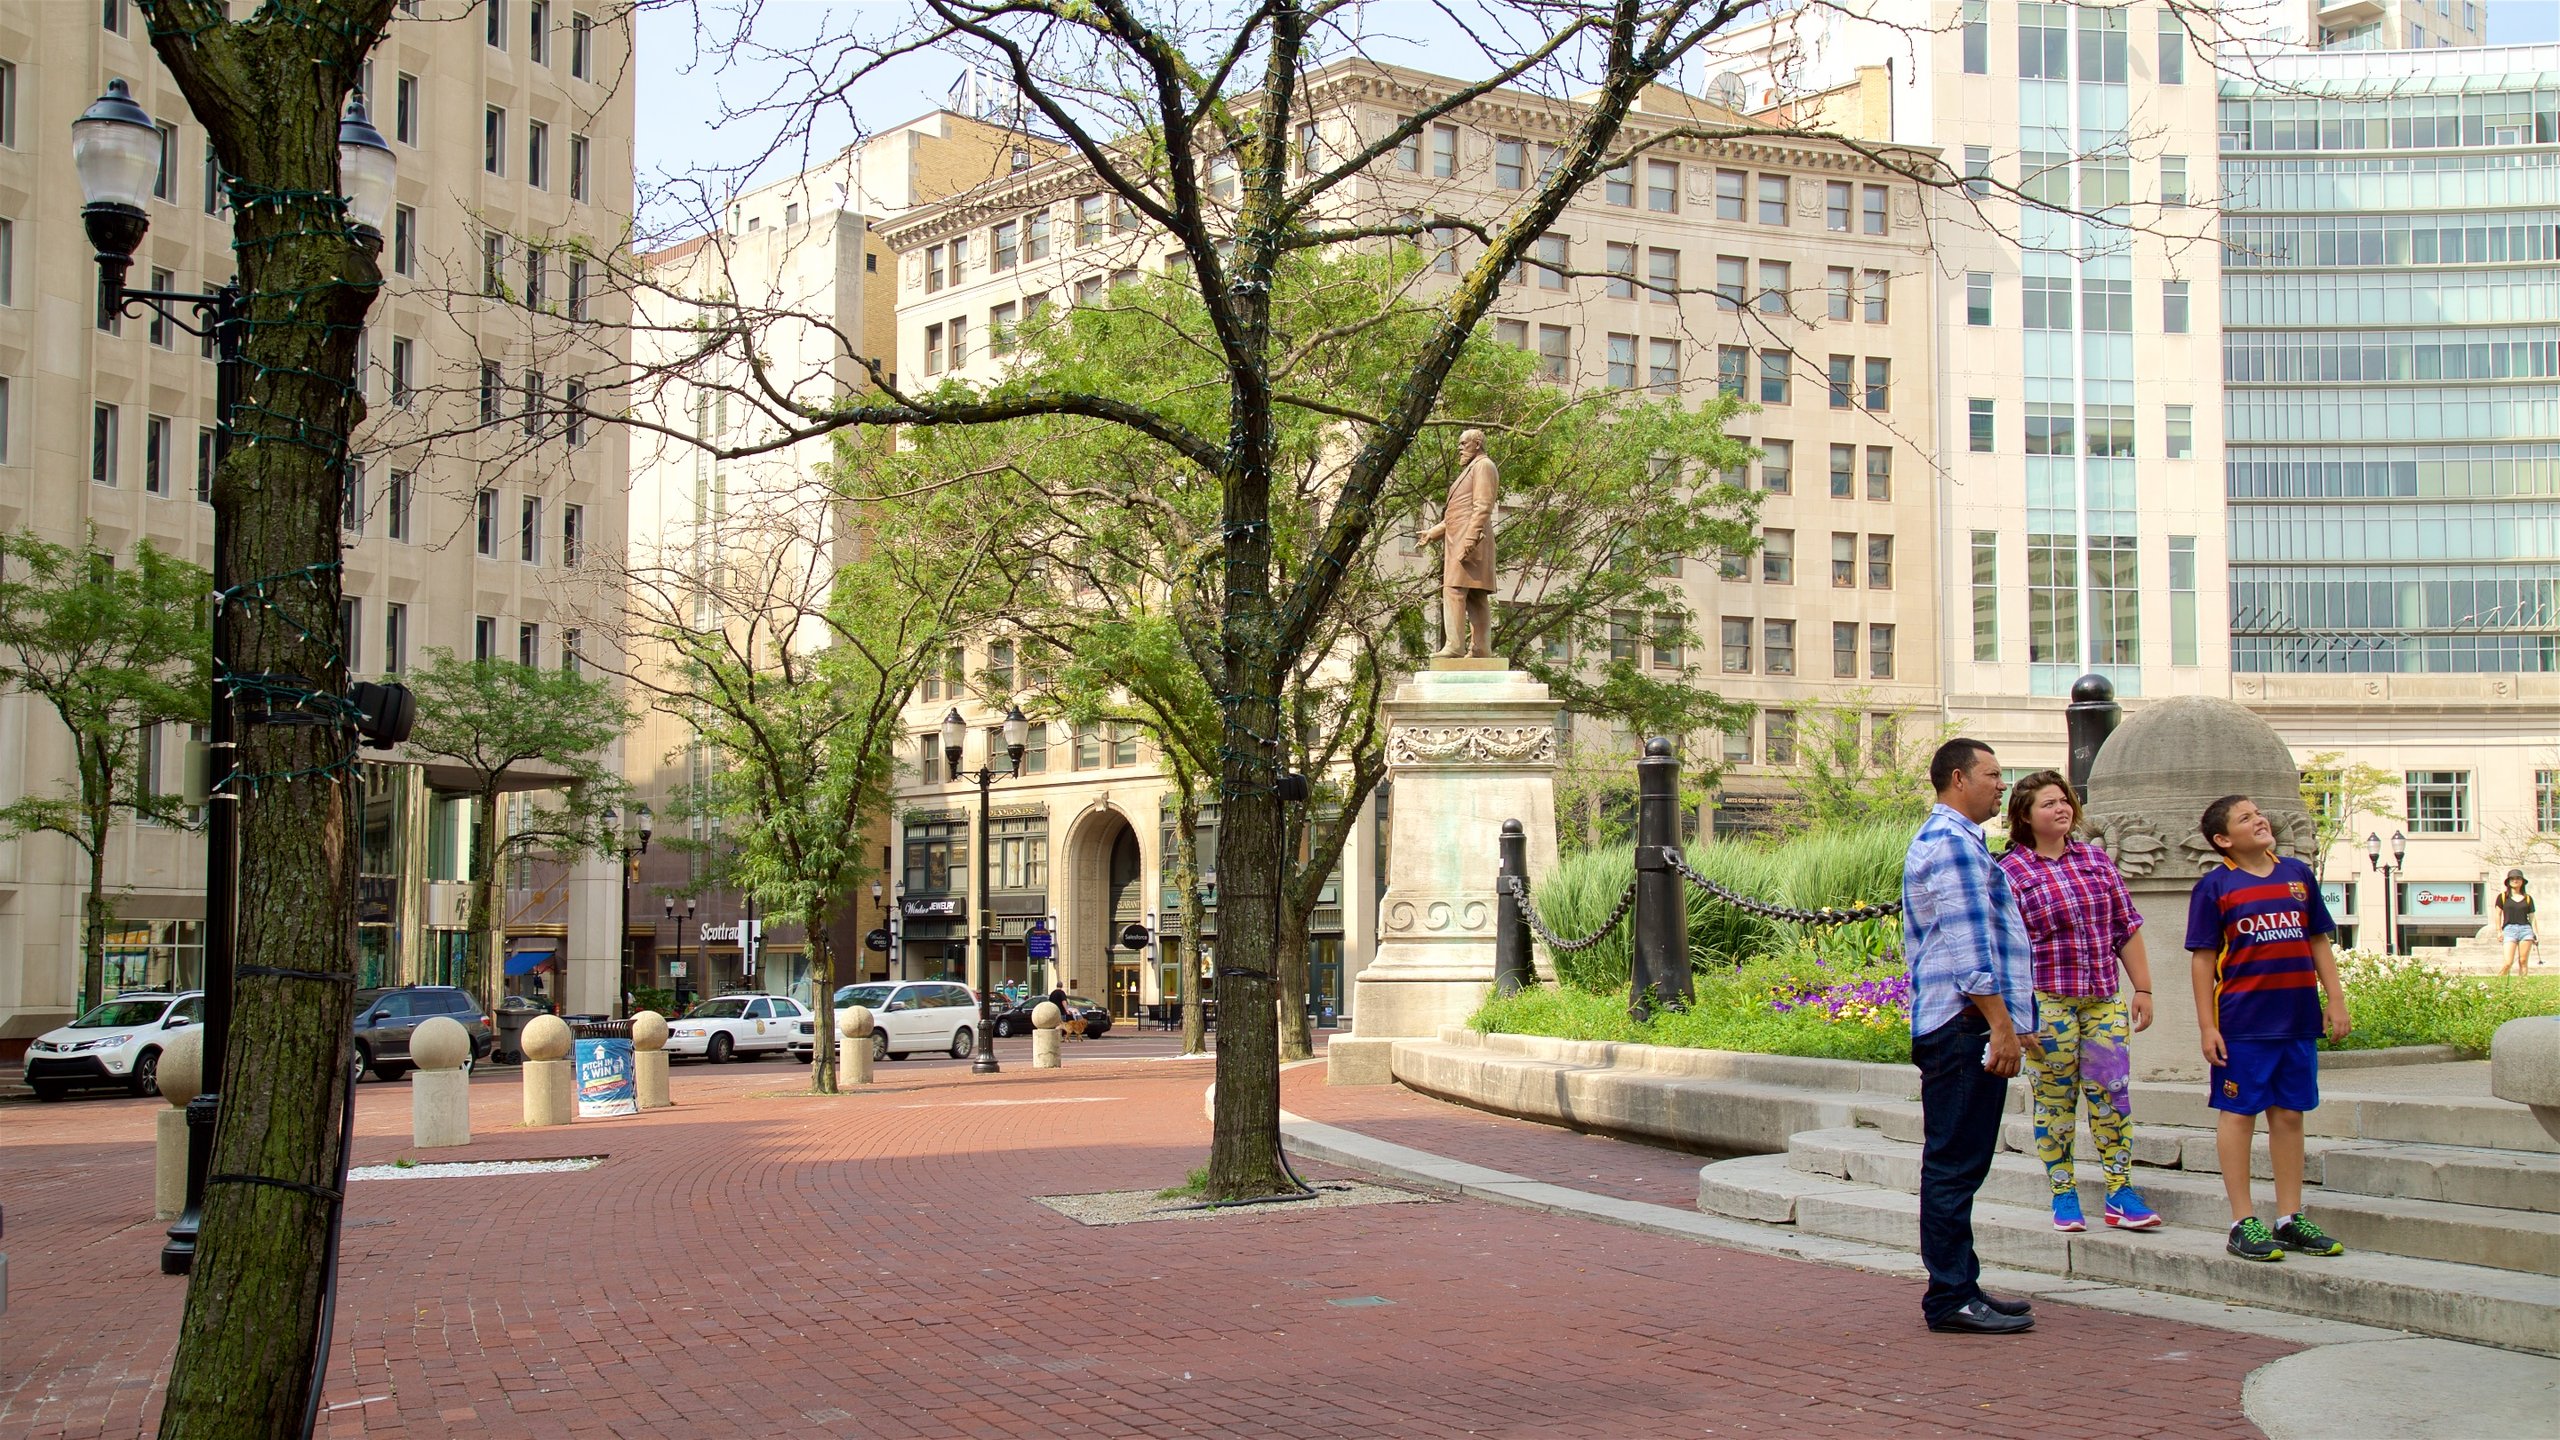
(1468, 747)
(169, 1165)
(550, 1092)
(649, 1059)
(854, 1025)
(1046, 1050)
(440, 1108)
(2148, 789)
(2524, 1066)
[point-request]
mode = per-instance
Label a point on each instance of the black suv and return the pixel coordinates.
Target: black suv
(385, 1018)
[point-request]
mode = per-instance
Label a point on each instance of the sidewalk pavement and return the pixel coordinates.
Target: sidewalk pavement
(757, 1262)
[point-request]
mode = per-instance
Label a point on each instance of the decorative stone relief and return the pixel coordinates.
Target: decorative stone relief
(2131, 840)
(1448, 744)
(1439, 917)
(2136, 844)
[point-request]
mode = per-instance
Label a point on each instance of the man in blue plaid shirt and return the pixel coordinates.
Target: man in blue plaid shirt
(1973, 1012)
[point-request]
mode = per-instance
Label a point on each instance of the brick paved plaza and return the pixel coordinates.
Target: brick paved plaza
(756, 1262)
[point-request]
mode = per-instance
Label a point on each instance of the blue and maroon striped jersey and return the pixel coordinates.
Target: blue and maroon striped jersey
(2260, 927)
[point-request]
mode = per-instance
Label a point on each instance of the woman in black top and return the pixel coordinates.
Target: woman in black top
(2515, 917)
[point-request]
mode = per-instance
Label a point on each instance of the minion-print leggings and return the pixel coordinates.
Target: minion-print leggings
(2084, 1054)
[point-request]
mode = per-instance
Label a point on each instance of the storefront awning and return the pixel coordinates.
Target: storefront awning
(532, 957)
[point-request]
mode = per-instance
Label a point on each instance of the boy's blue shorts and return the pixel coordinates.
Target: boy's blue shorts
(2266, 1075)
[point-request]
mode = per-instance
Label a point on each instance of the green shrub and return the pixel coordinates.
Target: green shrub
(2402, 1000)
(1734, 1011)
(1837, 869)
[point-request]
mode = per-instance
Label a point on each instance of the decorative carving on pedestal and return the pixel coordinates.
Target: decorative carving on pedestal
(2135, 843)
(1457, 744)
(1439, 917)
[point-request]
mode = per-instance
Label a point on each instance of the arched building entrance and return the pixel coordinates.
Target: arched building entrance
(1103, 892)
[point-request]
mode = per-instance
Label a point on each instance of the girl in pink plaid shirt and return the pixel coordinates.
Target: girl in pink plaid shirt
(2083, 926)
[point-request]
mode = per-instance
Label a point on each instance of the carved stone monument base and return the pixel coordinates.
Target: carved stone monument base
(1467, 749)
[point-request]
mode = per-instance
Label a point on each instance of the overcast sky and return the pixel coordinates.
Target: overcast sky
(681, 89)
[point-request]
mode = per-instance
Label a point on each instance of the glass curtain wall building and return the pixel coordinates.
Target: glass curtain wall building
(2391, 353)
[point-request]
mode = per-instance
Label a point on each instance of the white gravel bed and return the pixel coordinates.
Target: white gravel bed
(448, 1170)
(1130, 1207)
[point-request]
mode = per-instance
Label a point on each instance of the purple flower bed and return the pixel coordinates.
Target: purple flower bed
(1882, 1001)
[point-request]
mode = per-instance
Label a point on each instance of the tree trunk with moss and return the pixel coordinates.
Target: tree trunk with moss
(269, 90)
(822, 1005)
(1195, 916)
(480, 910)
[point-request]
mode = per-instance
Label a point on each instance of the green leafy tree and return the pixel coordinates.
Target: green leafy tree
(794, 659)
(1595, 488)
(110, 649)
(1859, 765)
(508, 728)
(2342, 794)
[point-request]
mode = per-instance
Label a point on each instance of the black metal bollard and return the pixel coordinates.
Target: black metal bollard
(1512, 970)
(1661, 968)
(2089, 720)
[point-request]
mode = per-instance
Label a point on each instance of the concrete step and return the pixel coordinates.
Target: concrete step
(2479, 1123)
(2432, 1297)
(2457, 1175)
(2502, 1239)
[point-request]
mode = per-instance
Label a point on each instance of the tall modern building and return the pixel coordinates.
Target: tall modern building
(507, 116)
(2391, 342)
(1792, 273)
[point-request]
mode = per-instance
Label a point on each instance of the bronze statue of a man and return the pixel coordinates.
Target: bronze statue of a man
(1466, 557)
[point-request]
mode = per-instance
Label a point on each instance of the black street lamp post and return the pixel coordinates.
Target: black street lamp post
(628, 850)
(116, 150)
(2373, 858)
(955, 732)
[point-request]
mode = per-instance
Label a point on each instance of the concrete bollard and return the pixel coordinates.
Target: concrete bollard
(853, 1057)
(1045, 1036)
(550, 1079)
(440, 1091)
(181, 1076)
(649, 1059)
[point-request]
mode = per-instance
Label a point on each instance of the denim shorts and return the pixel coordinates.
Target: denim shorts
(2519, 932)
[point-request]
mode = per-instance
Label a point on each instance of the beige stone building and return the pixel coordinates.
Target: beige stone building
(510, 116)
(1794, 273)
(803, 257)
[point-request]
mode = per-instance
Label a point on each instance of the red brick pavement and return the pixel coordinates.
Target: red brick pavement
(758, 1263)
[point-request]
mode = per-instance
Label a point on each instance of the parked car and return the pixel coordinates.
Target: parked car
(385, 1019)
(914, 1016)
(737, 1025)
(1016, 1019)
(116, 1044)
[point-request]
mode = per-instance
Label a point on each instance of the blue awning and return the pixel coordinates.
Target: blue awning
(532, 957)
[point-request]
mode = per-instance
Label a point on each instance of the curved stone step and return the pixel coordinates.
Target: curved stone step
(2422, 1229)
(2432, 1297)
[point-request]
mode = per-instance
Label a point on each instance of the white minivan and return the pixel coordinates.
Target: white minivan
(915, 1016)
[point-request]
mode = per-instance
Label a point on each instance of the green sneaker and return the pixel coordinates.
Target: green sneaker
(2250, 1240)
(2300, 1234)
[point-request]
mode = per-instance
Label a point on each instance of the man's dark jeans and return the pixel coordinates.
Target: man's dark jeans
(1960, 1104)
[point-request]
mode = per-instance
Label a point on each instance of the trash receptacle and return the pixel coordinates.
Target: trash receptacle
(511, 1022)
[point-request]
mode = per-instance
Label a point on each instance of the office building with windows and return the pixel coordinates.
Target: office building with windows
(1791, 273)
(511, 117)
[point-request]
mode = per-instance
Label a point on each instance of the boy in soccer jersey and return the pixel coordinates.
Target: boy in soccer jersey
(2258, 938)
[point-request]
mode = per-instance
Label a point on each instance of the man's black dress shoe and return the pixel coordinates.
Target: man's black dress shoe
(1977, 1318)
(2019, 1306)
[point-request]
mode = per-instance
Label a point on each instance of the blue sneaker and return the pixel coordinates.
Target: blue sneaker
(2066, 1212)
(2125, 1211)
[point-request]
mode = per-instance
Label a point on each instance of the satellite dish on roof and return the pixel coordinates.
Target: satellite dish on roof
(1729, 90)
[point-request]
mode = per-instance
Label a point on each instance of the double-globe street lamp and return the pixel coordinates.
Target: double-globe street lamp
(625, 847)
(955, 733)
(2373, 857)
(118, 152)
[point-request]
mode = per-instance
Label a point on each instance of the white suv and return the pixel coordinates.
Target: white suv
(733, 1025)
(915, 1016)
(116, 1044)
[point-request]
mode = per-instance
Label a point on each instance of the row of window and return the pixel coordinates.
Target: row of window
(2050, 429)
(2396, 654)
(536, 272)
(1092, 747)
(537, 154)
(2497, 530)
(1777, 649)
(2260, 357)
(2338, 300)
(2275, 242)
(2045, 49)
(106, 449)
(2399, 122)
(2484, 471)
(486, 630)
(2317, 414)
(541, 28)
(1778, 729)
(2474, 180)
(1778, 467)
(2106, 305)
(486, 536)
(2395, 597)
(540, 414)
(2055, 595)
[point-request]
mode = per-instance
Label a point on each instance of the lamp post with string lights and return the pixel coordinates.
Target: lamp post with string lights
(955, 733)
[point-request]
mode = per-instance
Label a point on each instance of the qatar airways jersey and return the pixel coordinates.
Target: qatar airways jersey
(2260, 926)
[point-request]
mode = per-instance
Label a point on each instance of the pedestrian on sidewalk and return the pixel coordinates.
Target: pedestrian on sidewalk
(2084, 928)
(2258, 939)
(1973, 1016)
(2515, 924)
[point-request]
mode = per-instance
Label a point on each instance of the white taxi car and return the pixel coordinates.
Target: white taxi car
(737, 1025)
(117, 1043)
